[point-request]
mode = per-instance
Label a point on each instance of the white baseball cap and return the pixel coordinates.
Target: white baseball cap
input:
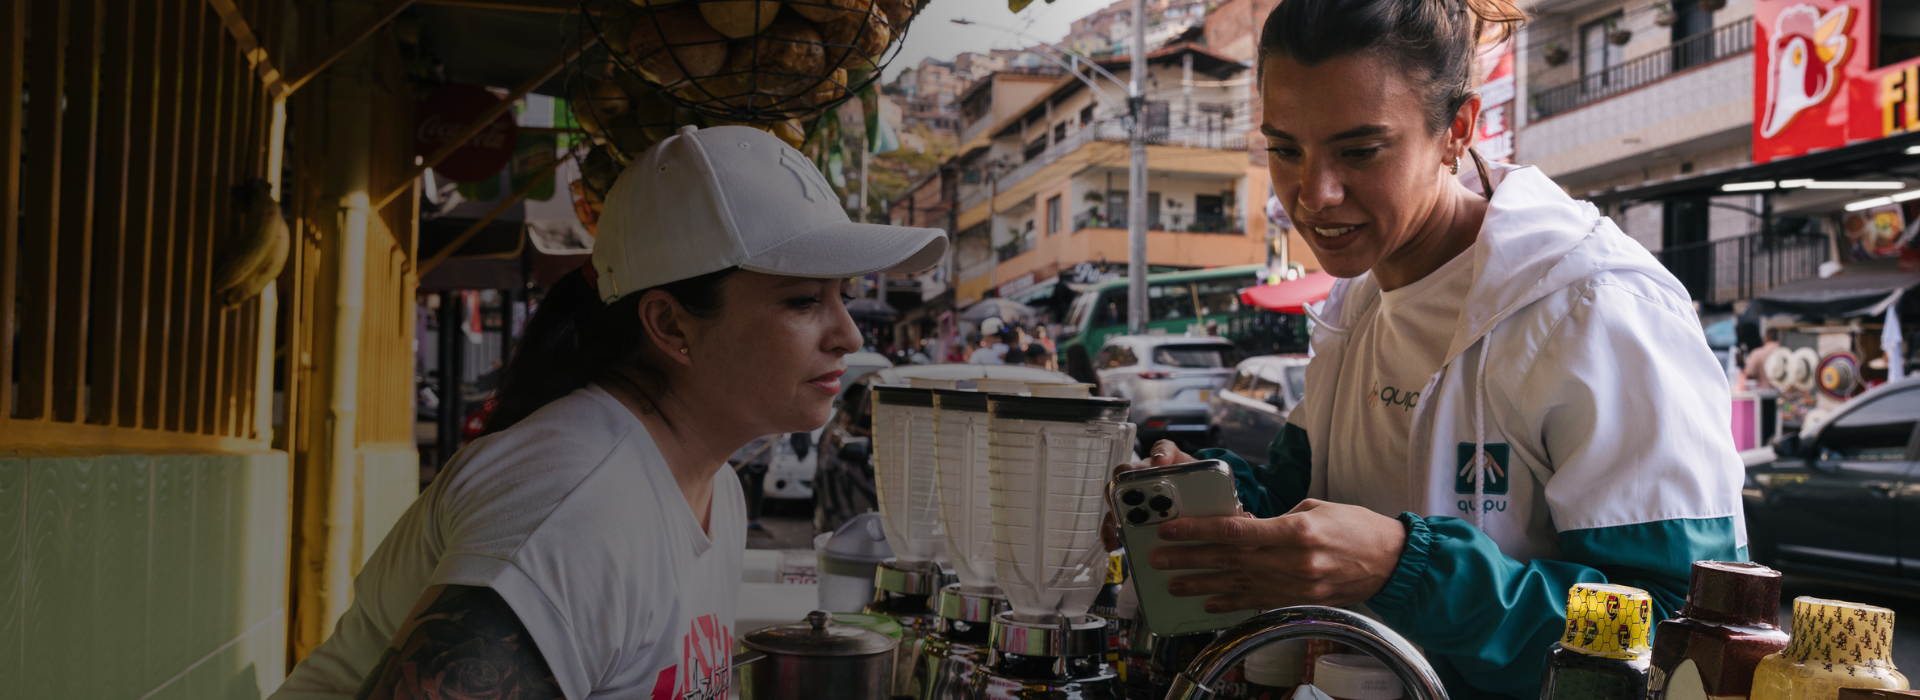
(705, 200)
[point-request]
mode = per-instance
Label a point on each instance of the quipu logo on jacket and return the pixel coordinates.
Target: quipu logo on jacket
(1494, 468)
(1391, 396)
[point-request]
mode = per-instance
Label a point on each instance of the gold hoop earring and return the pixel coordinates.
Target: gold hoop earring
(1456, 165)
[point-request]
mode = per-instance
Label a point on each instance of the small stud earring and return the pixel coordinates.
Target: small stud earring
(683, 351)
(1456, 165)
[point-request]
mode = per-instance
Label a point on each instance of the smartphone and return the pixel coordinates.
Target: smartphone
(1143, 499)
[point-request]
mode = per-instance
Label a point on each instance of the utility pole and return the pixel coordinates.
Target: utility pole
(1137, 176)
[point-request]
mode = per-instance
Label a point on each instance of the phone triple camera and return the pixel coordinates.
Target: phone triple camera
(1143, 508)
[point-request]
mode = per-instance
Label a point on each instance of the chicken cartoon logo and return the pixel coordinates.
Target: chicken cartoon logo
(1808, 49)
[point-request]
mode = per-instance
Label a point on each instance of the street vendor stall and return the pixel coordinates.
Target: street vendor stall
(1838, 336)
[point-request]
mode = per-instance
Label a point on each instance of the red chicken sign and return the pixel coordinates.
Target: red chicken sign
(1805, 52)
(1815, 85)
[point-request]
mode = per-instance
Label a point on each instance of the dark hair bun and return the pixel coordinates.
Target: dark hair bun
(1435, 41)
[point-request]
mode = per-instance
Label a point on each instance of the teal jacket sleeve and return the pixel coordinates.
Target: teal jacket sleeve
(1276, 487)
(1491, 619)
(1485, 619)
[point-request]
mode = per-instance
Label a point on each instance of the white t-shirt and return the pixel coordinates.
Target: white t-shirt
(573, 517)
(995, 355)
(1397, 347)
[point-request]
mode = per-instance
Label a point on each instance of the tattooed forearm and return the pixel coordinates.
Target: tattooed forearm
(466, 645)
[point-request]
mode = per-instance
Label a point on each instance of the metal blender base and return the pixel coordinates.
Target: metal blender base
(953, 652)
(904, 593)
(1064, 659)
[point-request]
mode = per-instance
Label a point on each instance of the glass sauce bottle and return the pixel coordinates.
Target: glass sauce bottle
(1604, 653)
(1835, 645)
(1731, 620)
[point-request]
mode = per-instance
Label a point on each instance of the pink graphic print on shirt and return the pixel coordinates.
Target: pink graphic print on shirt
(706, 661)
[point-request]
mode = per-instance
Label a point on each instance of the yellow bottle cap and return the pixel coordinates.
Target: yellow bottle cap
(1608, 620)
(1840, 632)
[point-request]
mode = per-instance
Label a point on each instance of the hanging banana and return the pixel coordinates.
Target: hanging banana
(255, 259)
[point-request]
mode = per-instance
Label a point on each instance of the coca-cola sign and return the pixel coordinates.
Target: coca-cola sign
(446, 112)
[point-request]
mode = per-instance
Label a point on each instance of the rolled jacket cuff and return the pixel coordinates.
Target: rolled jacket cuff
(1415, 559)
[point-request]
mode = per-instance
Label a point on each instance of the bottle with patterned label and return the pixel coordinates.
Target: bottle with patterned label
(1604, 653)
(1835, 645)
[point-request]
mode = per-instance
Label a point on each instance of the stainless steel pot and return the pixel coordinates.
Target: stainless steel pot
(816, 659)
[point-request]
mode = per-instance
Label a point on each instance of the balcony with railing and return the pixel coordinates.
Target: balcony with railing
(1735, 39)
(1199, 223)
(1730, 269)
(1228, 137)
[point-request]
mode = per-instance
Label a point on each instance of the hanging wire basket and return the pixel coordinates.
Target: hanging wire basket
(775, 65)
(754, 62)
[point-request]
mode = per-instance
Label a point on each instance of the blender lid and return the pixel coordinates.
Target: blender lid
(819, 635)
(860, 539)
(989, 385)
(1061, 391)
(1095, 408)
(956, 400)
(896, 395)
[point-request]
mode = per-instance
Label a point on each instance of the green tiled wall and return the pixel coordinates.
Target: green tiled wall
(143, 576)
(389, 483)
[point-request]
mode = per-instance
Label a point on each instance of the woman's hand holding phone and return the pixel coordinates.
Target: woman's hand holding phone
(1319, 553)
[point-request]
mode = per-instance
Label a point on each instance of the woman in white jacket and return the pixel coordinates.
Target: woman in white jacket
(1507, 395)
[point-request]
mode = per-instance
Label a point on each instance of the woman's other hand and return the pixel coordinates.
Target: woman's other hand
(1319, 553)
(1162, 454)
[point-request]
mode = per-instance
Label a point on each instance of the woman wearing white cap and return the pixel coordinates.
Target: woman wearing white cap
(589, 546)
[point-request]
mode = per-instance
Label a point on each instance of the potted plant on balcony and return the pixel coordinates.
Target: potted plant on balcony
(1617, 35)
(1555, 54)
(1663, 15)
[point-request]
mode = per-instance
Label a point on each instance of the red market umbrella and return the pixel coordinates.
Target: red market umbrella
(1289, 297)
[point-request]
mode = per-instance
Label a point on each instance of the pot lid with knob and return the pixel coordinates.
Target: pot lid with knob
(818, 635)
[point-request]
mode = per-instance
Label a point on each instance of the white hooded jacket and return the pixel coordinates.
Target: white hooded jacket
(1579, 364)
(1581, 385)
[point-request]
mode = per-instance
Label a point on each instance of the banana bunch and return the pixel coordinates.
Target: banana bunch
(254, 258)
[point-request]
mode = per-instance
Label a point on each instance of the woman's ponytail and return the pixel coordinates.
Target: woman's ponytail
(575, 339)
(550, 360)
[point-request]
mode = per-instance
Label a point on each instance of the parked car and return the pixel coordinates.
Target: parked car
(1244, 416)
(1842, 498)
(790, 473)
(1169, 378)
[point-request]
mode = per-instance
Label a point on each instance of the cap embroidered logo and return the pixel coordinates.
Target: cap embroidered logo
(811, 181)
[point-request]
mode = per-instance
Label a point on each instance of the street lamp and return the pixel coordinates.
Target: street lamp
(1136, 157)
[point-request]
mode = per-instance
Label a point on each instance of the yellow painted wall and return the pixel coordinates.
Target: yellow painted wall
(969, 291)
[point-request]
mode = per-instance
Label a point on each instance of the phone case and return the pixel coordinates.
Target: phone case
(1196, 489)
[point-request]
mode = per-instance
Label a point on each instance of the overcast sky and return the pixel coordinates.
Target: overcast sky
(934, 35)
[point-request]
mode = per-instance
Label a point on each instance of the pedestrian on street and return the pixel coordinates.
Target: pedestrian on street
(843, 479)
(750, 463)
(1506, 395)
(994, 350)
(1756, 360)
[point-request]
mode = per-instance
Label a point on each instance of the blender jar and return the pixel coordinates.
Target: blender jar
(965, 504)
(1048, 461)
(903, 472)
